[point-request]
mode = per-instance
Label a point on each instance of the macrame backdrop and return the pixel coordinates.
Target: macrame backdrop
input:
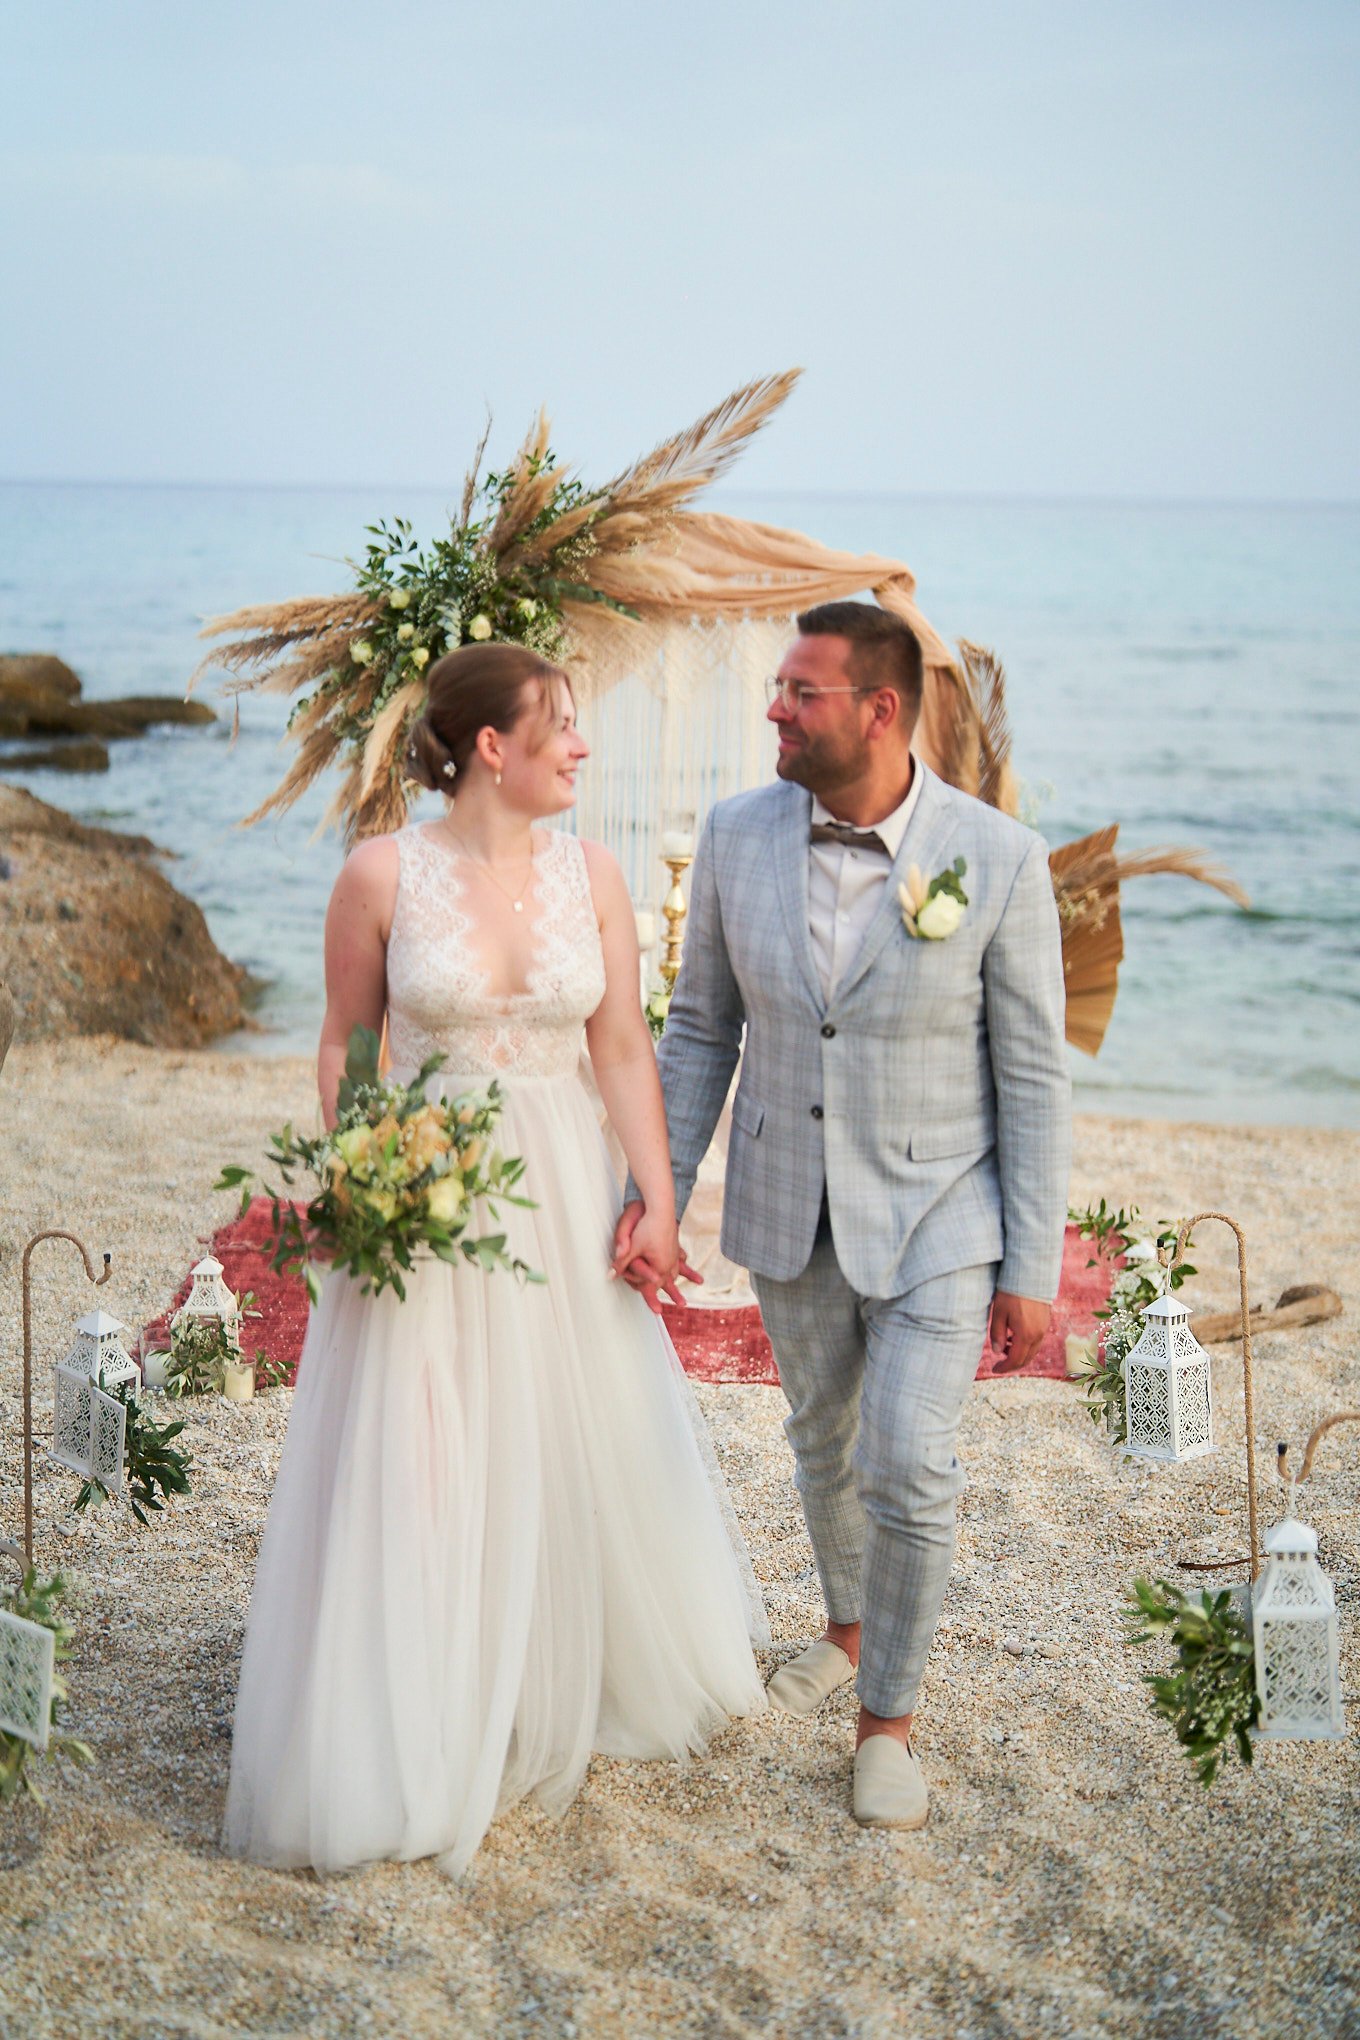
(675, 715)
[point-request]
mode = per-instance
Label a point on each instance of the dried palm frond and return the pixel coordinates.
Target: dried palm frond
(695, 457)
(283, 627)
(950, 722)
(1086, 878)
(318, 750)
(987, 680)
(318, 658)
(386, 744)
(530, 490)
(474, 474)
(300, 616)
(1181, 864)
(1086, 888)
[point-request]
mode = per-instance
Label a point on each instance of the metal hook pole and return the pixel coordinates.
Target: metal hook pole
(1247, 1392)
(1315, 1438)
(37, 1240)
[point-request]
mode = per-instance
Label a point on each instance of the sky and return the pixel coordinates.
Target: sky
(1089, 250)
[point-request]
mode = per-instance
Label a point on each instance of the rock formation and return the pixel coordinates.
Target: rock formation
(95, 940)
(41, 697)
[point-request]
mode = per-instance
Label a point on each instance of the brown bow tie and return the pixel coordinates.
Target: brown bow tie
(851, 838)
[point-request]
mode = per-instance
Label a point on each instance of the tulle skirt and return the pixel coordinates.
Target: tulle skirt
(497, 1542)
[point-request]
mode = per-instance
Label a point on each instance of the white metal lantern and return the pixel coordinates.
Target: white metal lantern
(1293, 1617)
(1167, 1390)
(27, 1662)
(89, 1420)
(209, 1296)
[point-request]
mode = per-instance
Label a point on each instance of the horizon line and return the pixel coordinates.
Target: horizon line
(1045, 498)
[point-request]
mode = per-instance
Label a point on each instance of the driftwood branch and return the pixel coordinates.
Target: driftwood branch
(1309, 1305)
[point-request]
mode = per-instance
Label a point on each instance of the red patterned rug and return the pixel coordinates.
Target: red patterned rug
(713, 1344)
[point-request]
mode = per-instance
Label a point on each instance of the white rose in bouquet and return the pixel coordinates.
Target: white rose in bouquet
(479, 630)
(405, 632)
(400, 598)
(445, 1198)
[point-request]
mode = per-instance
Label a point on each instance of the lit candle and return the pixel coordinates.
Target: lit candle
(155, 1369)
(646, 928)
(238, 1380)
(677, 843)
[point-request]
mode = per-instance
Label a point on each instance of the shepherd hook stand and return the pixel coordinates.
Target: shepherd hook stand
(1315, 1438)
(37, 1240)
(1247, 1396)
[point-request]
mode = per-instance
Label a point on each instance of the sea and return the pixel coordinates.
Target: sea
(1191, 672)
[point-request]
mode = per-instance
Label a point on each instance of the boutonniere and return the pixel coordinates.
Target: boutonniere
(932, 912)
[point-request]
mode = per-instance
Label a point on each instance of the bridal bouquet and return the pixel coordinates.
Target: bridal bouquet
(397, 1175)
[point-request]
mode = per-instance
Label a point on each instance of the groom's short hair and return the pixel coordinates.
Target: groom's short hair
(884, 651)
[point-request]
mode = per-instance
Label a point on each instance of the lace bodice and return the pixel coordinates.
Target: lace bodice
(438, 997)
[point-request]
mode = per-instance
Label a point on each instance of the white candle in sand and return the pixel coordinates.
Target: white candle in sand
(238, 1380)
(677, 843)
(155, 1369)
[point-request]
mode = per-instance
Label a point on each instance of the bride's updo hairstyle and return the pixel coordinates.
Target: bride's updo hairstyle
(475, 688)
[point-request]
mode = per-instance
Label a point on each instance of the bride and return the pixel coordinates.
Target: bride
(498, 1540)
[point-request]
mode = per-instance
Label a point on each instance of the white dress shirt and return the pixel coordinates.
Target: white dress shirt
(846, 885)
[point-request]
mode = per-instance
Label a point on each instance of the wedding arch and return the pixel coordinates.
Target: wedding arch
(669, 619)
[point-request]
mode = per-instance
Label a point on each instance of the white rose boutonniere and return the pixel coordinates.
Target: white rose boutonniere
(932, 911)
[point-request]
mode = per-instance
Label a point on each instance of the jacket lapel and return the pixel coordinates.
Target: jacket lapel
(790, 850)
(933, 821)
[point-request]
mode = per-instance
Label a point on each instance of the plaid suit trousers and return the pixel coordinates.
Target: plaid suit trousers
(876, 1388)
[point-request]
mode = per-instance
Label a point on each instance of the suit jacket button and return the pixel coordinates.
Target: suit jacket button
(816, 1111)
(827, 1031)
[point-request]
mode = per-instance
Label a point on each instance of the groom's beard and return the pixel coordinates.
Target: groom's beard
(822, 765)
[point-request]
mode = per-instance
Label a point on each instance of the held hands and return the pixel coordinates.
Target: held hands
(647, 1255)
(1018, 1324)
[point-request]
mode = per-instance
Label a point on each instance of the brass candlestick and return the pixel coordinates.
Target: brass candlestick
(674, 909)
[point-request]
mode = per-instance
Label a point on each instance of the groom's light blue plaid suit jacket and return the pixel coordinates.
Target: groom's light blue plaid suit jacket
(930, 1093)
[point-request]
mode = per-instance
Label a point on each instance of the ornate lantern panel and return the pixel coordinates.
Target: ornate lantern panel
(1167, 1387)
(99, 1353)
(89, 1428)
(27, 1662)
(1293, 1616)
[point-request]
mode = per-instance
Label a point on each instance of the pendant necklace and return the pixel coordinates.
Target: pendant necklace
(516, 899)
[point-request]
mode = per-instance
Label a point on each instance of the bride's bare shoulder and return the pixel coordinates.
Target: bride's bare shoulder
(368, 878)
(596, 856)
(608, 888)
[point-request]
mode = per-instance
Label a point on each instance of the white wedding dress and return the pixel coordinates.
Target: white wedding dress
(498, 1540)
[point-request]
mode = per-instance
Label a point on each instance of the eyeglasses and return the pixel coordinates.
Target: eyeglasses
(795, 694)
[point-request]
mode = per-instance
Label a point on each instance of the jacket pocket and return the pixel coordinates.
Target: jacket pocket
(933, 1143)
(746, 1114)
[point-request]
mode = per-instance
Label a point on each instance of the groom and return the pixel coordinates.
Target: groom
(897, 1172)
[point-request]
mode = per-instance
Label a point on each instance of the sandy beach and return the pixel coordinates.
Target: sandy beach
(1074, 1878)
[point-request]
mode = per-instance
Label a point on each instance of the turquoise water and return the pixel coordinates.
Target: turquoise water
(1187, 671)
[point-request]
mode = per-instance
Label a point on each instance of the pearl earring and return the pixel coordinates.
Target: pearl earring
(498, 779)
